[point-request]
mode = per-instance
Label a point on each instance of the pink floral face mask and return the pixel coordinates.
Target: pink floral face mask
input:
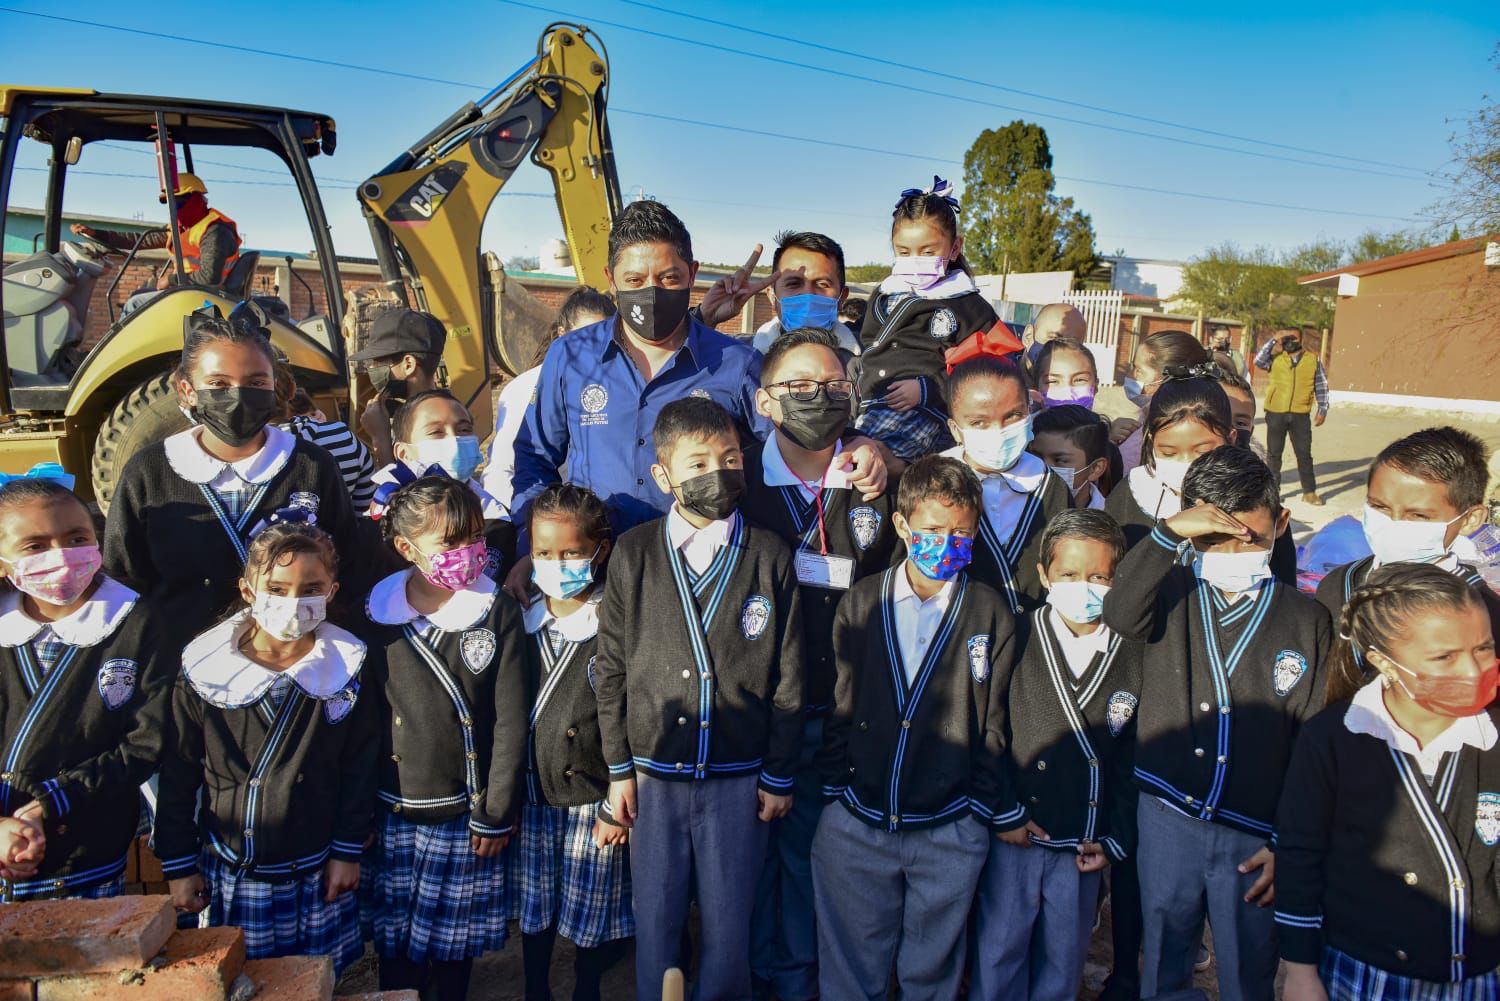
(57, 576)
(456, 569)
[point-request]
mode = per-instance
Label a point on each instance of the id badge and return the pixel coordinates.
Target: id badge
(818, 570)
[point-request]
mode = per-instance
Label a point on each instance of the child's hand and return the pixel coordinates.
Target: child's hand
(609, 835)
(1303, 983)
(1205, 519)
(867, 467)
(32, 813)
(903, 395)
(1021, 836)
(1121, 428)
(22, 845)
(188, 893)
(1263, 890)
(622, 801)
(488, 847)
(772, 806)
(1091, 857)
(339, 878)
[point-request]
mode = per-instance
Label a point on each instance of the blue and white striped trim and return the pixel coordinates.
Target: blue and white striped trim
(772, 782)
(1055, 660)
(232, 528)
(486, 831)
(347, 847)
(623, 770)
(1112, 848)
(39, 702)
(52, 789)
(78, 880)
(1455, 869)
(834, 792)
(1009, 819)
(407, 802)
(180, 866)
(1221, 669)
(1006, 553)
(1312, 922)
(460, 706)
(268, 752)
(228, 857)
(1160, 538)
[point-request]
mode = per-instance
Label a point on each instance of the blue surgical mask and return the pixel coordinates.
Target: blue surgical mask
(563, 579)
(808, 310)
(459, 456)
(941, 557)
(1134, 391)
(1079, 601)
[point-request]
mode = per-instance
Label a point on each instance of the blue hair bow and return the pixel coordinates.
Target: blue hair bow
(943, 189)
(285, 516)
(42, 471)
(401, 474)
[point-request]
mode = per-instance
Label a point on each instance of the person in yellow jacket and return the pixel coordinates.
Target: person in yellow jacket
(210, 241)
(1296, 402)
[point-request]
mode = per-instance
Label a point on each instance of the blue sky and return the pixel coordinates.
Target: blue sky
(1380, 82)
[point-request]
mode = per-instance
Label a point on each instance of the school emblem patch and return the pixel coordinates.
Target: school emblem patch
(755, 615)
(1290, 667)
(979, 657)
(943, 324)
(1487, 818)
(478, 649)
(305, 500)
(864, 521)
(594, 398)
(592, 684)
(340, 704)
(117, 682)
(1119, 711)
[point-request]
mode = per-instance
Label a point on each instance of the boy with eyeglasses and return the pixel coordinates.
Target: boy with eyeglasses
(797, 489)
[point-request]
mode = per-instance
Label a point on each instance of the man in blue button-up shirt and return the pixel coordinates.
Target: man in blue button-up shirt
(602, 386)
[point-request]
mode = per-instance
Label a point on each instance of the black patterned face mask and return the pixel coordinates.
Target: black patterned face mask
(653, 313)
(235, 414)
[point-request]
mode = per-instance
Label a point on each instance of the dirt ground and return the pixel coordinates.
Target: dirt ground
(1342, 449)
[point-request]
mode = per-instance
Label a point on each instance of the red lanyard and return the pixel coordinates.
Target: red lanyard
(818, 502)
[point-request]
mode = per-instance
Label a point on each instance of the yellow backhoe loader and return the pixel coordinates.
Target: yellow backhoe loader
(91, 410)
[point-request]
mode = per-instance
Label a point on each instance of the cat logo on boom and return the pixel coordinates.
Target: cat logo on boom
(421, 201)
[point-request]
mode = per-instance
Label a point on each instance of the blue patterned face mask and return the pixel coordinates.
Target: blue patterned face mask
(941, 557)
(808, 310)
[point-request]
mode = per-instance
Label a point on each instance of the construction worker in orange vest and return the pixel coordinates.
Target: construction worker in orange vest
(1296, 402)
(210, 241)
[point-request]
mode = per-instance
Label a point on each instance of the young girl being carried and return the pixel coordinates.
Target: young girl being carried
(273, 749)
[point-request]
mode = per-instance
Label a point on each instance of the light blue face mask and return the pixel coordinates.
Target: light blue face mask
(563, 579)
(459, 456)
(808, 310)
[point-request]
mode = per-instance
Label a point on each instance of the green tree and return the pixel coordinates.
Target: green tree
(1257, 286)
(869, 272)
(1012, 219)
(1372, 245)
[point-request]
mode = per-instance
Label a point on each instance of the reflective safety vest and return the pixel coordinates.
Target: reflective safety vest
(1291, 389)
(192, 239)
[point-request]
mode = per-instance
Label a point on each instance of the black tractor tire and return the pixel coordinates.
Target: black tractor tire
(144, 416)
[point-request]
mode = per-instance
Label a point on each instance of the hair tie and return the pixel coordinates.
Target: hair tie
(294, 515)
(941, 188)
(400, 475)
(250, 317)
(42, 471)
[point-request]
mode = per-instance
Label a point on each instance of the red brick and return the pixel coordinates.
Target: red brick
(292, 978)
(17, 990)
(48, 937)
(149, 867)
(198, 964)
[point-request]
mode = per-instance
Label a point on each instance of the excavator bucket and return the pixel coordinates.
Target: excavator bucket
(522, 321)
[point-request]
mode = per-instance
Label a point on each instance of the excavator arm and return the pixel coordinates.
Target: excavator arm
(426, 209)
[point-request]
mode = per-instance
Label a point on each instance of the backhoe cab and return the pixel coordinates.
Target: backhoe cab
(92, 410)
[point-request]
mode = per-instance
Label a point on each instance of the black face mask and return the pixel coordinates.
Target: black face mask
(713, 495)
(1242, 437)
(652, 313)
(384, 385)
(813, 424)
(1291, 347)
(235, 415)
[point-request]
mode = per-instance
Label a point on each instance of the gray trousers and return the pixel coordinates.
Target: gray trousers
(893, 900)
(1035, 918)
(695, 836)
(1190, 870)
(784, 931)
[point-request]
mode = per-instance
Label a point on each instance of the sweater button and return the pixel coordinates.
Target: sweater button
(1203, 706)
(572, 732)
(58, 884)
(1093, 762)
(1188, 800)
(1410, 879)
(1041, 766)
(863, 725)
(1223, 710)
(703, 725)
(1401, 955)
(906, 724)
(568, 773)
(1223, 759)
(249, 832)
(687, 674)
(1035, 800)
(1459, 957)
(1197, 752)
(1458, 884)
(299, 776)
(472, 755)
(207, 582)
(396, 720)
(679, 766)
(396, 758)
(682, 721)
(1093, 804)
(255, 783)
(465, 721)
(395, 807)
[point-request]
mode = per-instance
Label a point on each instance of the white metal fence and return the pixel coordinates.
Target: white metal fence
(1102, 311)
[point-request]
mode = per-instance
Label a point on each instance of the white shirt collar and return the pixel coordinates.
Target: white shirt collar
(582, 625)
(680, 531)
(777, 473)
(771, 329)
(189, 460)
(489, 505)
(1083, 647)
(224, 676)
(1367, 714)
(89, 624)
(951, 286)
(1025, 477)
(1153, 498)
(388, 606)
(902, 590)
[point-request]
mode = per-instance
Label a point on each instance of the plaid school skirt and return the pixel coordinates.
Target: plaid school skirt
(911, 434)
(283, 919)
(559, 878)
(433, 898)
(1348, 979)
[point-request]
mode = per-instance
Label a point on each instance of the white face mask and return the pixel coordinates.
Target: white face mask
(1067, 474)
(288, 618)
(997, 448)
(1170, 473)
(1233, 572)
(563, 579)
(1395, 541)
(1078, 601)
